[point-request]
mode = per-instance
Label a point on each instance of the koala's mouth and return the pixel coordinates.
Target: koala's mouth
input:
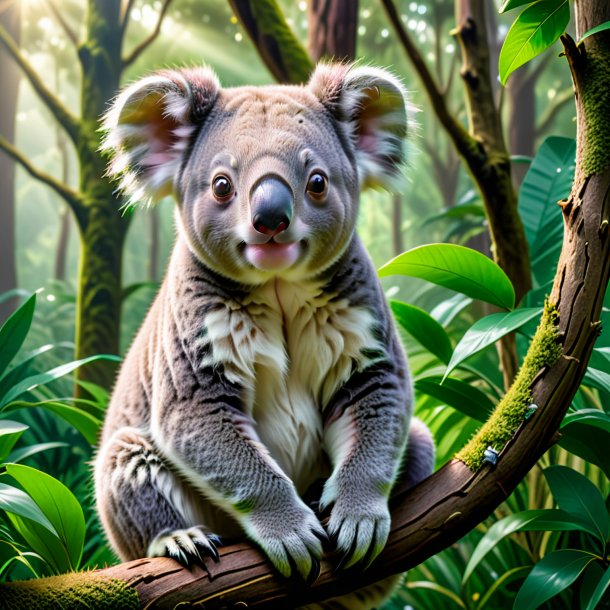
(272, 255)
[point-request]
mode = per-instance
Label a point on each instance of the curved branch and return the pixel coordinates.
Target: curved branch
(64, 116)
(71, 197)
(140, 48)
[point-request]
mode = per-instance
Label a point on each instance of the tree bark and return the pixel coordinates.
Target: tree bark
(98, 306)
(455, 499)
(332, 29)
(10, 18)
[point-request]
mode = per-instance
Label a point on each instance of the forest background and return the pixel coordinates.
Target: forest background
(53, 91)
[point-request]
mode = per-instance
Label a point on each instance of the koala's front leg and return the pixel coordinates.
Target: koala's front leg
(365, 437)
(213, 444)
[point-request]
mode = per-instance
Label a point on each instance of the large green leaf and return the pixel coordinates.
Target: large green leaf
(597, 379)
(458, 268)
(424, 329)
(30, 383)
(23, 369)
(578, 497)
(586, 433)
(446, 310)
(602, 587)
(23, 453)
(487, 331)
(58, 504)
(458, 394)
(550, 576)
(13, 500)
(14, 331)
(528, 520)
(85, 423)
(548, 180)
(537, 27)
(10, 431)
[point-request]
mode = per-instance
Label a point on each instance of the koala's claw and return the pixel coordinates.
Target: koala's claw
(292, 542)
(187, 546)
(359, 539)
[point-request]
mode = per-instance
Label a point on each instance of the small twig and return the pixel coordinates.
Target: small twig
(140, 48)
(71, 197)
(70, 33)
(553, 110)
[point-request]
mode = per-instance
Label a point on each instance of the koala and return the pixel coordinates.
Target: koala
(269, 359)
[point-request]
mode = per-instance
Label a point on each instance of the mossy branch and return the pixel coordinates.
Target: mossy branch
(71, 197)
(144, 44)
(64, 116)
(279, 48)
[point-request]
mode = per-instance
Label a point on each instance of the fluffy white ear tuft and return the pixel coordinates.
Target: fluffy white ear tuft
(371, 106)
(149, 126)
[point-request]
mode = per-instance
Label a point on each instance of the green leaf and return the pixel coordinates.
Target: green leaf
(22, 369)
(536, 28)
(58, 504)
(586, 433)
(460, 395)
(10, 431)
(598, 28)
(30, 383)
(548, 180)
(597, 379)
(528, 520)
(13, 500)
(23, 453)
(458, 268)
(14, 331)
(577, 496)
(423, 328)
(602, 587)
(99, 394)
(488, 330)
(550, 576)
(85, 423)
(446, 310)
(509, 5)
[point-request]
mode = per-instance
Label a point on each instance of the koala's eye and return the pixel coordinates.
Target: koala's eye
(222, 188)
(317, 186)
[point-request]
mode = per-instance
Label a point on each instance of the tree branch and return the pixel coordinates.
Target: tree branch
(71, 197)
(69, 32)
(563, 98)
(140, 48)
(276, 43)
(61, 113)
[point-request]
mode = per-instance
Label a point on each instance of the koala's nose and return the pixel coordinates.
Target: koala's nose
(271, 206)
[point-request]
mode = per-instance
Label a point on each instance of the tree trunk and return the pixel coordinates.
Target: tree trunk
(332, 29)
(98, 311)
(10, 18)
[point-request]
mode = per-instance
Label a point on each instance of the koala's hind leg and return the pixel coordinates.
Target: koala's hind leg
(146, 509)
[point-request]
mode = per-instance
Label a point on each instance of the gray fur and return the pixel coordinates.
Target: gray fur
(250, 380)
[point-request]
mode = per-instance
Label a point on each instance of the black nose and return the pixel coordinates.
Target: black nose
(271, 206)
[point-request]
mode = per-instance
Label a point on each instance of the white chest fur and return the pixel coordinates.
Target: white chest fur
(292, 346)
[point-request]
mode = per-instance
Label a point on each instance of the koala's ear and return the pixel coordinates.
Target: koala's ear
(149, 126)
(371, 107)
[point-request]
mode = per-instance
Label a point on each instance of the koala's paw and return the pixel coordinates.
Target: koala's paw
(188, 546)
(291, 537)
(359, 529)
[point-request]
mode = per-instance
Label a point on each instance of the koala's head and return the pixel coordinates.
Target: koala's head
(267, 179)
